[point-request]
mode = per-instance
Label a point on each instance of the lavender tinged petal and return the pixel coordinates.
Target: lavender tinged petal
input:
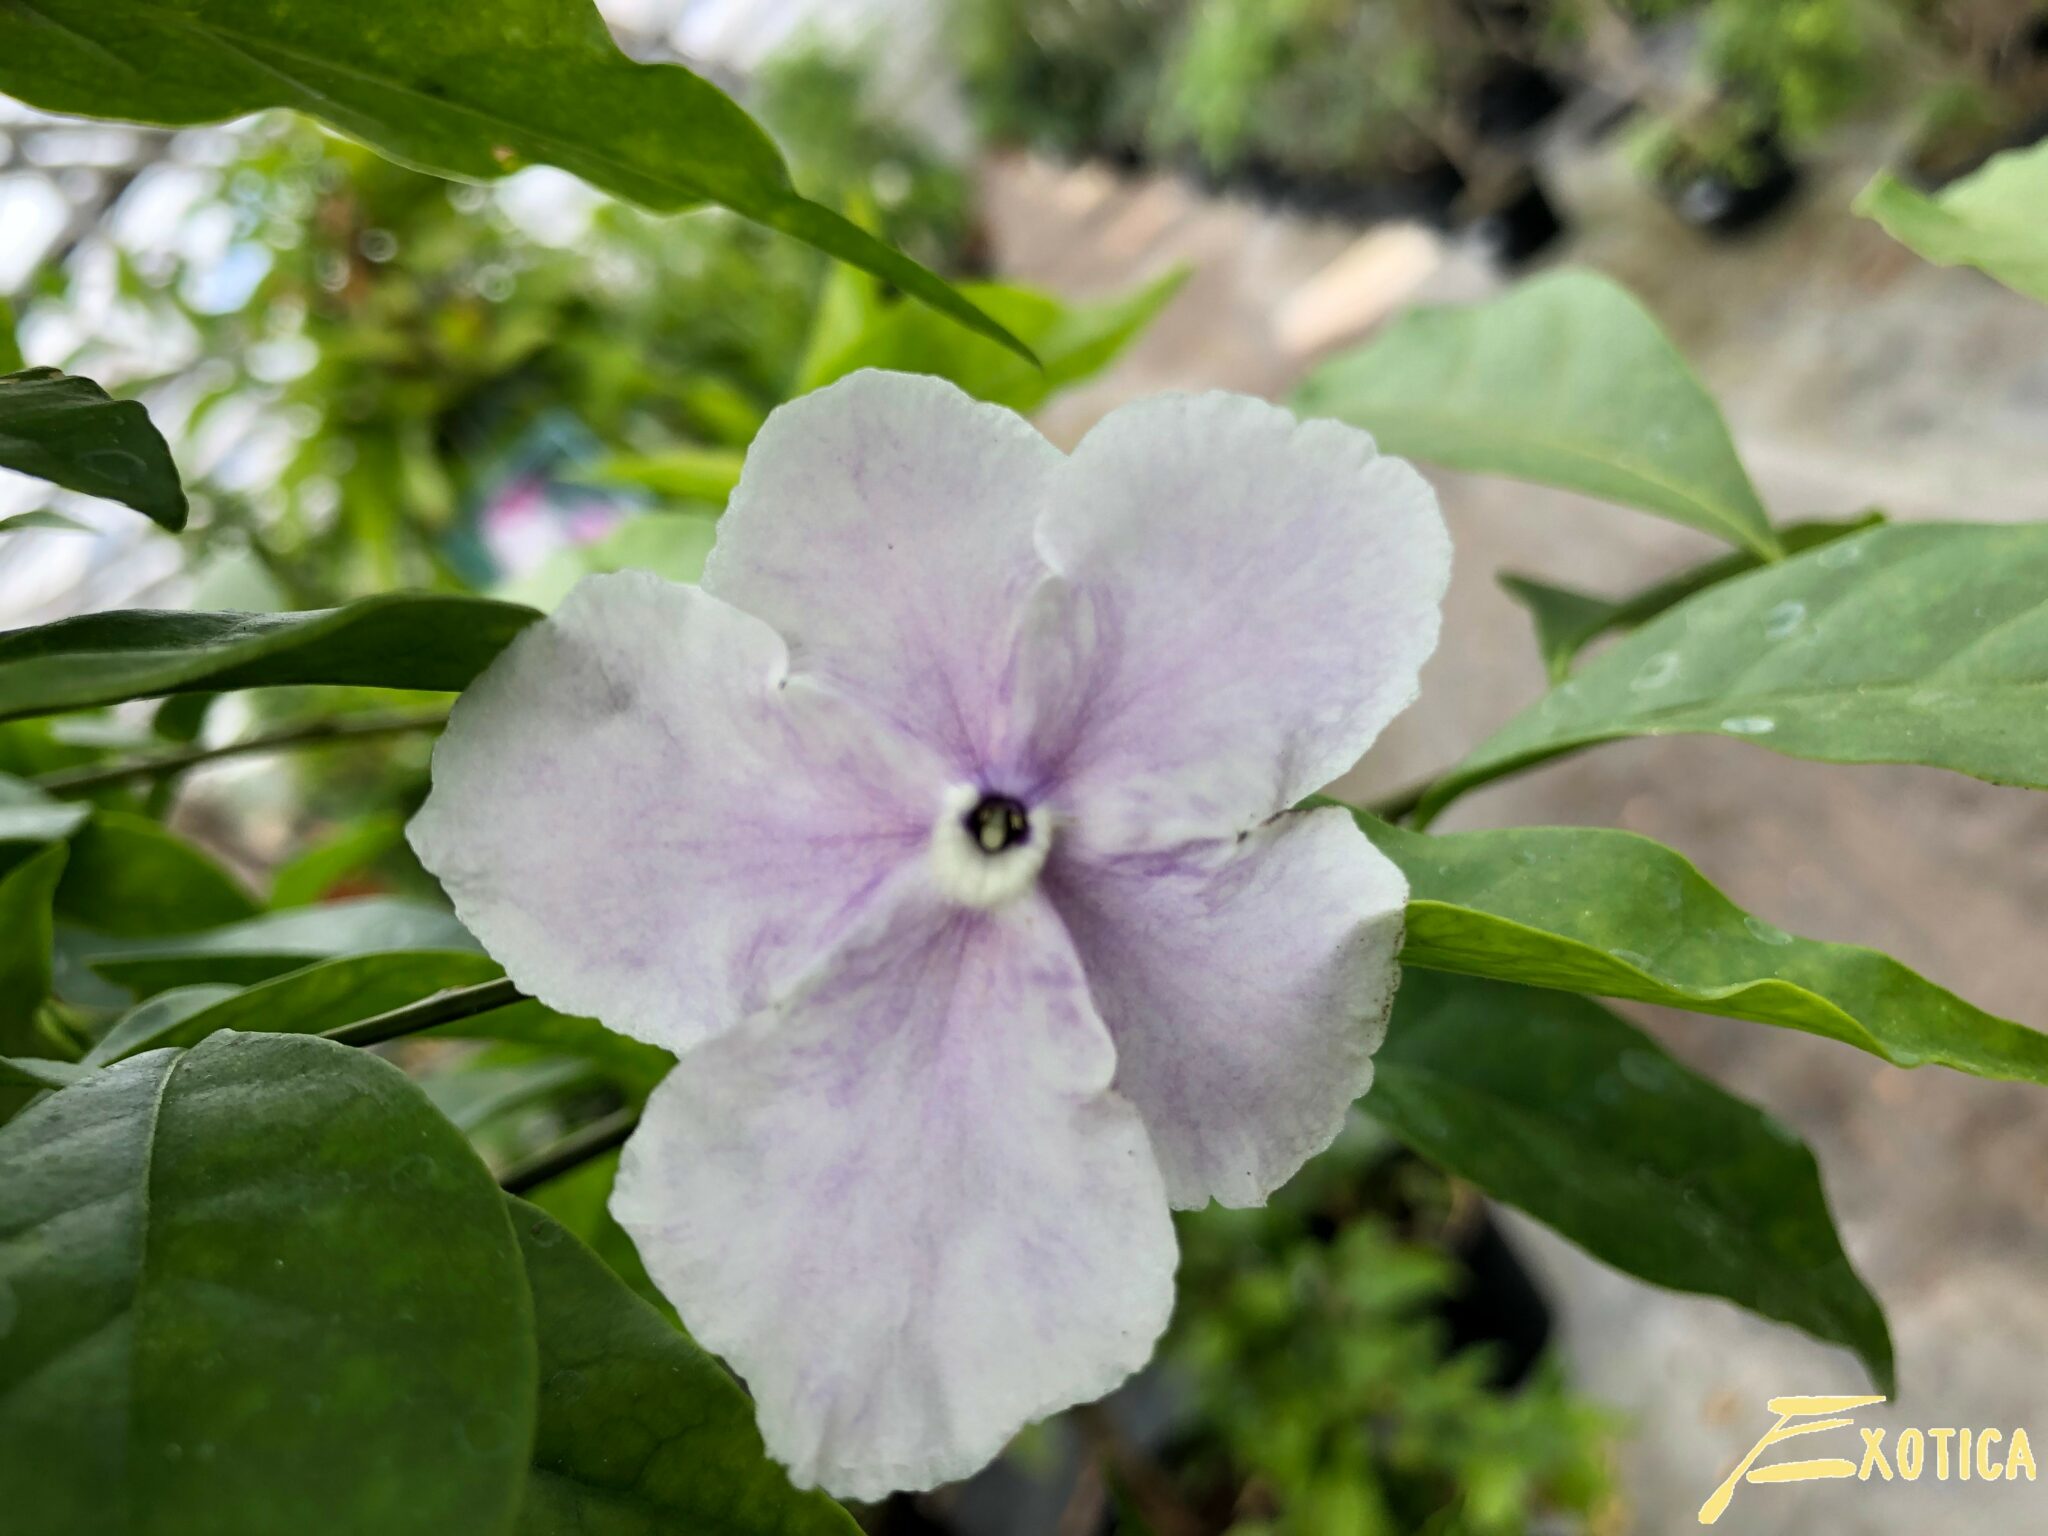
(1249, 602)
(1246, 984)
(908, 1211)
(645, 818)
(884, 527)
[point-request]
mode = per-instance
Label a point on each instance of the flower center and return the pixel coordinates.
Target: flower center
(987, 848)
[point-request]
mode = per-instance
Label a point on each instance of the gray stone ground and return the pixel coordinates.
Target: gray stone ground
(1853, 375)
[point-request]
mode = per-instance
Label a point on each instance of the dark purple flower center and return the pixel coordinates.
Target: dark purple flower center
(996, 823)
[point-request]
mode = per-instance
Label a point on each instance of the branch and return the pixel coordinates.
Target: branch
(342, 728)
(441, 1008)
(571, 1152)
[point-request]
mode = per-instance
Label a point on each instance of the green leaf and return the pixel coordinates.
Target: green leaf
(131, 877)
(29, 818)
(474, 93)
(680, 474)
(1564, 380)
(36, 1073)
(399, 640)
(1587, 909)
(69, 432)
(1568, 621)
(1990, 220)
(308, 1001)
(502, 1080)
(581, 1201)
(242, 954)
(269, 1290)
(311, 874)
(1073, 342)
(670, 544)
(1551, 1103)
(10, 352)
(26, 942)
(1911, 643)
(56, 522)
(636, 1067)
(640, 1432)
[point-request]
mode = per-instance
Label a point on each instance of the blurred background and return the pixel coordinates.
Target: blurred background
(376, 379)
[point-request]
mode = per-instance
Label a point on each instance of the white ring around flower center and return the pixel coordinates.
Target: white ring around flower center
(969, 873)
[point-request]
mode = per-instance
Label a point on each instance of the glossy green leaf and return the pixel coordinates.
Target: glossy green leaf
(1551, 1103)
(640, 1432)
(401, 640)
(271, 1290)
(26, 939)
(53, 522)
(242, 954)
(1991, 219)
(474, 92)
(308, 1001)
(1564, 380)
(67, 430)
(132, 877)
(1911, 643)
(1567, 621)
(1073, 342)
(1588, 909)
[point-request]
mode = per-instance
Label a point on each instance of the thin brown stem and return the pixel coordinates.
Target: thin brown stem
(342, 728)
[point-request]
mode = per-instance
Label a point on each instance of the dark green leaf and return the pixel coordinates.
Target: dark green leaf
(473, 92)
(245, 953)
(581, 1201)
(1565, 380)
(1990, 220)
(400, 640)
(69, 432)
(270, 1290)
(1568, 621)
(1911, 643)
(131, 877)
(640, 1433)
(55, 522)
(26, 940)
(1586, 909)
(308, 1001)
(1553, 1104)
(316, 871)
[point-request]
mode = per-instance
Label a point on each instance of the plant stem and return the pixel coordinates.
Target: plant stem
(342, 728)
(572, 1151)
(441, 1008)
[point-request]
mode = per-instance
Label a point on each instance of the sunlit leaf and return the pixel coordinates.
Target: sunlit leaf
(1588, 909)
(1551, 1103)
(1911, 643)
(639, 1429)
(270, 1290)
(401, 640)
(68, 431)
(1991, 219)
(56, 522)
(1564, 380)
(474, 92)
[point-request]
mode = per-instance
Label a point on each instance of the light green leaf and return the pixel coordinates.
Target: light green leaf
(10, 352)
(29, 818)
(1568, 621)
(475, 92)
(133, 878)
(640, 1432)
(1587, 909)
(242, 954)
(1564, 380)
(311, 874)
(670, 544)
(68, 431)
(1991, 219)
(400, 640)
(633, 1065)
(26, 940)
(1553, 1104)
(681, 474)
(1911, 643)
(56, 522)
(37, 1073)
(478, 1091)
(1073, 342)
(308, 1001)
(270, 1290)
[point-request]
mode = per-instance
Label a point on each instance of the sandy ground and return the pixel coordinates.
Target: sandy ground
(1853, 376)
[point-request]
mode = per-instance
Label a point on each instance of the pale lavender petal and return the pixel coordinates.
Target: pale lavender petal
(1246, 984)
(645, 818)
(909, 1211)
(1249, 601)
(883, 526)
